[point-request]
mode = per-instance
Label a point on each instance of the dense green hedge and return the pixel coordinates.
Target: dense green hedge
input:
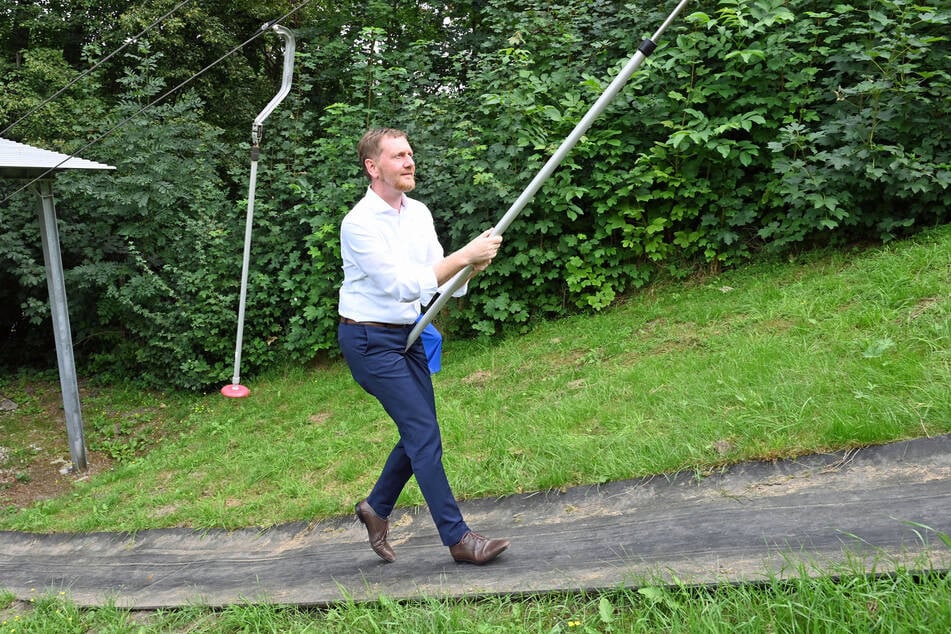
(762, 125)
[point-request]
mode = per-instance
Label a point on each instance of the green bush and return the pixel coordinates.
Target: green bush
(869, 152)
(762, 125)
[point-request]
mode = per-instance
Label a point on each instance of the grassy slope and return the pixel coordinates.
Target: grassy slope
(772, 360)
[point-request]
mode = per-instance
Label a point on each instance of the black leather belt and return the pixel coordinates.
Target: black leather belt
(375, 324)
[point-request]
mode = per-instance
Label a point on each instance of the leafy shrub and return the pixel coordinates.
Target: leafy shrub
(866, 153)
(757, 125)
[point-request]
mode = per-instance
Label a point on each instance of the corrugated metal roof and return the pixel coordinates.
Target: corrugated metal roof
(18, 160)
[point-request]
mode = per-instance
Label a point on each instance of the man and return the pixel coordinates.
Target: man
(393, 264)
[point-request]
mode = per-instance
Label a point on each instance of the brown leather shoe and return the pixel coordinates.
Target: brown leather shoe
(473, 548)
(377, 528)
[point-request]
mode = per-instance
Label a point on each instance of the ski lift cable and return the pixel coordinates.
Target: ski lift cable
(102, 61)
(264, 29)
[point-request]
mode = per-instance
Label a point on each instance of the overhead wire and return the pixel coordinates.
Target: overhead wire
(166, 94)
(102, 61)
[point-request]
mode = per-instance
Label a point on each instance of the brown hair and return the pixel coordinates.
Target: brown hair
(369, 145)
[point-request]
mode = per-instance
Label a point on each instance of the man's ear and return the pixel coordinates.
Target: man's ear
(370, 166)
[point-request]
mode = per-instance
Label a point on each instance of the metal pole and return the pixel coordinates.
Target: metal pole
(646, 48)
(245, 265)
(236, 390)
(61, 330)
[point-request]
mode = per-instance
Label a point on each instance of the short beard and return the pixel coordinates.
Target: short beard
(404, 187)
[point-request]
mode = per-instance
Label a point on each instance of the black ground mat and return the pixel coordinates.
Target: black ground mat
(874, 509)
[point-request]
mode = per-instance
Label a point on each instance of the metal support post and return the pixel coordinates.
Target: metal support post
(61, 330)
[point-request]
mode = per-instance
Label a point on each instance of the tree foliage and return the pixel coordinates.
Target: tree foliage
(762, 125)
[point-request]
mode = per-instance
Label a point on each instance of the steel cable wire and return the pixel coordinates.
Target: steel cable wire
(102, 61)
(264, 29)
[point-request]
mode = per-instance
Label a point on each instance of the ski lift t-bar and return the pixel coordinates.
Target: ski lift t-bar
(646, 48)
(257, 126)
(236, 390)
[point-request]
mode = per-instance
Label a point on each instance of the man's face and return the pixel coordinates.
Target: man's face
(394, 167)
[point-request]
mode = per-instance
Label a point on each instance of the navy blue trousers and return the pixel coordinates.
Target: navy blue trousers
(402, 383)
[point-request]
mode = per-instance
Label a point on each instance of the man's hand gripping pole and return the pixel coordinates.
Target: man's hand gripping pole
(646, 48)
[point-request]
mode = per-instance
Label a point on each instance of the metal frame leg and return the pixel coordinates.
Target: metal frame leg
(61, 330)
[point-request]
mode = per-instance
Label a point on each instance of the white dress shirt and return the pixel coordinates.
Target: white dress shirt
(388, 257)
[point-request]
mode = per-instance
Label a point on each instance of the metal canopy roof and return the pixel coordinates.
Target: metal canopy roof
(18, 160)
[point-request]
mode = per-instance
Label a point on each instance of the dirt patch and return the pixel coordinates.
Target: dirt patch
(320, 418)
(835, 479)
(923, 306)
(478, 379)
(35, 462)
(46, 476)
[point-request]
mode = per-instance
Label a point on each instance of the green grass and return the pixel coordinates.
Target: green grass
(833, 351)
(824, 352)
(900, 602)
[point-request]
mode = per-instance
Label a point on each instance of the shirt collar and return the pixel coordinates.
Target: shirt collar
(382, 204)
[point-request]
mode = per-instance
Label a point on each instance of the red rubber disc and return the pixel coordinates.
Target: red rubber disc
(235, 390)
